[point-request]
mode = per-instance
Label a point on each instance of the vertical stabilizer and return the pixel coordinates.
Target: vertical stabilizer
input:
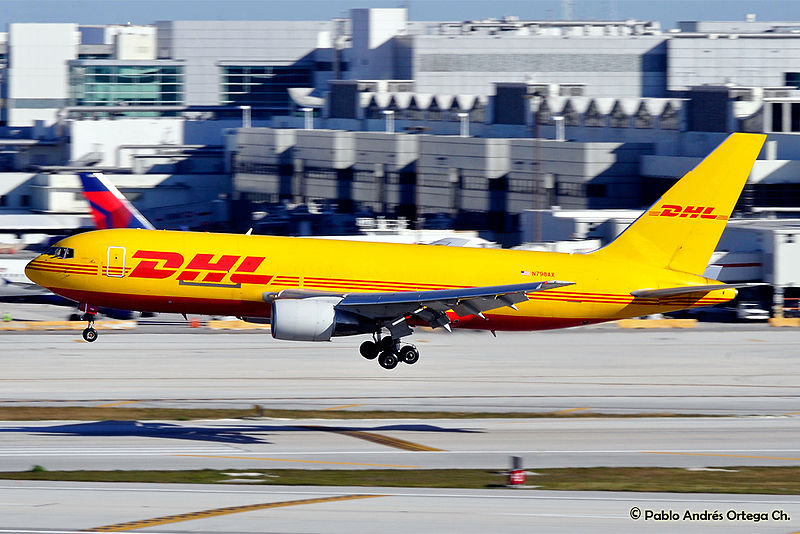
(109, 208)
(681, 230)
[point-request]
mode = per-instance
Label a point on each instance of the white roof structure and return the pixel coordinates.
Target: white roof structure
(604, 105)
(629, 106)
(444, 101)
(422, 101)
(303, 98)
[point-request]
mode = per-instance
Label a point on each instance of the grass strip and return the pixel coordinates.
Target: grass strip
(90, 413)
(739, 480)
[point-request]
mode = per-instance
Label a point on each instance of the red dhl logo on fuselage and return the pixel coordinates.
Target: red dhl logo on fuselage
(160, 265)
(692, 212)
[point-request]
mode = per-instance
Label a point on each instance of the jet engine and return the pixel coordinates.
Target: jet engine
(315, 319)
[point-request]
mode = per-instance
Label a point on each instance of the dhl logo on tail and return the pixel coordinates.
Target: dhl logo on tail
(692, 212)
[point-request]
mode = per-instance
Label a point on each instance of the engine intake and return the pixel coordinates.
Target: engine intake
(315, 319)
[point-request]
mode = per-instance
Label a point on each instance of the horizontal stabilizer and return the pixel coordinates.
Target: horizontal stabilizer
(672, 291)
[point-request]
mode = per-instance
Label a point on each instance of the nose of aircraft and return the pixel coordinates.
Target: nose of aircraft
(35, 270)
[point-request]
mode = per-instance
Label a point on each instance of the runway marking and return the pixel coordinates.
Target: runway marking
(145, 523)
(295, 461)
(724, 455)
(343, 407)
(569, 410)
(380, 439)
(117, 404)
(388, 441)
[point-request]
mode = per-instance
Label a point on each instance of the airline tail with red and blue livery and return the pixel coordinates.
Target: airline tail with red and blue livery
(109, 208)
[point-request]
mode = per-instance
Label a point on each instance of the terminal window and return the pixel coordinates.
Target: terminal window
(113, 85)
(263, 86)
(777, 117)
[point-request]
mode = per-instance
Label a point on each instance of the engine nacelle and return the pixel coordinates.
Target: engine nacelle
(314, 319)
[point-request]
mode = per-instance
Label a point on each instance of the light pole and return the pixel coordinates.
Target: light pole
(389, 114)
(246, 123)
(560, 128)
(464, 124)
(309, 118)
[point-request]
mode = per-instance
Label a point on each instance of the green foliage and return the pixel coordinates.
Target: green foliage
(743, 480)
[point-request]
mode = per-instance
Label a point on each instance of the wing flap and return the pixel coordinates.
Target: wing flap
(431, 306)
(673, 291)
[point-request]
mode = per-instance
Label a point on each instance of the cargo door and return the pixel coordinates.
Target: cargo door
(115, 262)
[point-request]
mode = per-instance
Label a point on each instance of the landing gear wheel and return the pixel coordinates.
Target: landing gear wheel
(385, 344)
(369, 350)
(89, 334)
(388, 360)
(409, 354)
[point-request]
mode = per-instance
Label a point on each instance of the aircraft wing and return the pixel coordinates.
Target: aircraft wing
(431, 306)
(673, 291)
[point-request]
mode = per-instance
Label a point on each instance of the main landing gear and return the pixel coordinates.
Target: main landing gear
(89, 333)
(389, 352)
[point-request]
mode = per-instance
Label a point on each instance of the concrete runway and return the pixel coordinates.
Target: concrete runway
(36, 507)
(728, 369)
(401, 444)
(748, 371)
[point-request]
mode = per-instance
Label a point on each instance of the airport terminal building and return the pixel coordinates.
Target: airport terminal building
(468, 124)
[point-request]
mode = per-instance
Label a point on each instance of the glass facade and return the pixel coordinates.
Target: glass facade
(113, 85)
(263, 86)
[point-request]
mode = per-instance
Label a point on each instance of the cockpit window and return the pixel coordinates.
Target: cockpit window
(60, 252)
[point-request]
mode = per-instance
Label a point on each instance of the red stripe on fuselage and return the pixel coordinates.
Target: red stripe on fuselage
(346, 281)
(62, 270)
(155, 303)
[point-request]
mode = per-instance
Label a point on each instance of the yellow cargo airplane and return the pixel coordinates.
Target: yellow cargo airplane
(313, 289)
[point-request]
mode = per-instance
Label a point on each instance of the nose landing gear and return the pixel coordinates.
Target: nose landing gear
(89, 333)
